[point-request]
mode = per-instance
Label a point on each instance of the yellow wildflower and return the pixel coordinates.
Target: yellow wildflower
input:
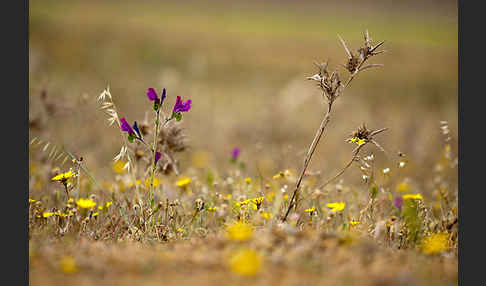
(270, 196)
(435, 243)
(282, 174)
(100, 208)
(412, 197)
(248, 180)
(266, 215)
(311, 210)
(96, 214)
(70, 200)
(286, 197)
(156, 182)
(85, 203)
(357, 140)
(182, 182)
(64, 176)
(118, 167)
(353, 222)
(245, 262)
(337, 206)
(402, 187)
(258, 201)
(212, 209)
(68, 265)
(47, 214)
(31, 201)
(108, 204)
(239, 231)
(180, 230)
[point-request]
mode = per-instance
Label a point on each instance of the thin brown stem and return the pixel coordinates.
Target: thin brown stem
(343, 170)
(308, 157)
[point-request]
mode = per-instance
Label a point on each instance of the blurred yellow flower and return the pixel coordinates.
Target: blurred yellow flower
(212, 209)
(31, 201)
(108, 204)
(47, 214)
(182, 182)
(248, 180)
(310, 210)
(286, 197)
(282, 174)
(402, 187)
(412, 197)
(266, 215)
(70, 200)
(337, 206)
(239, 231)
(156, 182)
(270, 196)
(96, 214)
(118, 167)
(68, 265)
(63, 176)
(357, 140)
(258, 201)
(353, 222)
(435, 243)
(245, 262)
(85, 203)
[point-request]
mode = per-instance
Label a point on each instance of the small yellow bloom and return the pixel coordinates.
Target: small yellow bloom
(353, 222)
(337, 206)
(435, 243)
(402, 187)
(357, 140)
(68, 265)
(86, 203)
(118, 167)
(156, 182)
(266, 215)
(258, 201)
(245, 262)
(63, 176)
(108, 204)
(311, 210)
(286, 197)
(96, 214)
(212, 209)
(248, 180)
(412, 197)
(270, 196)
(182, 182)
(70, 200)
(100, 208)
(47, 214)
(31, 201)
(61, 214)
(180, 230)
(239, 231)
(282, 174)
(137, 182)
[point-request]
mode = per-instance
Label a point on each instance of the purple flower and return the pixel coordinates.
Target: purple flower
(235, 153)
(180, 106)
(126, 127)
(398, 202)
(152, 95)
(157, 157)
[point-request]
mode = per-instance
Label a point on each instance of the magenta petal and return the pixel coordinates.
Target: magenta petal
(157, 157)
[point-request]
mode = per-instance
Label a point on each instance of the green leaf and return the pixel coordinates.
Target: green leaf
(178, 116)
(131, 138)
(373, 191)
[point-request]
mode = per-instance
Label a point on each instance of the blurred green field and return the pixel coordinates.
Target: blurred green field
(244, 66)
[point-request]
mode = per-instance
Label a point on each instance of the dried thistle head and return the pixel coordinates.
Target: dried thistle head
(329, 84)
(355, 61)
(364, 135)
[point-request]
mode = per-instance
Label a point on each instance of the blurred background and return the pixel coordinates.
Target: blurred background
(244, 65)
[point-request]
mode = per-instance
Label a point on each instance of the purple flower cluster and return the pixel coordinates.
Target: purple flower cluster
(181, 106)
(152, 96)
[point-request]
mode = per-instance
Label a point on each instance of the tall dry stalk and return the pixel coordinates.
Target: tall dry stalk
(332, 88)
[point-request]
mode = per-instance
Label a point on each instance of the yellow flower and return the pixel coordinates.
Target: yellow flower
(100, 208)
(118, 167)
(353, 222)
(337, 206)
(70, 200)
(239, 231)
(245, 262)
(61, 214)
(258, 201)
(108, 204)
(435, 243)
(402, 187)
(47, 214)
(357, 140)
(311, 210)
(286, 197)
(31, 201)
(179, 230)
(63, 176)
(182, 182)
(156, 182)
(282, 174)
(248, 180)
(86, 203)
(270, 196)
(68, 265)
(212, 209)
(228, 197)
(96, 214)
(266, 215)
(412, 197)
